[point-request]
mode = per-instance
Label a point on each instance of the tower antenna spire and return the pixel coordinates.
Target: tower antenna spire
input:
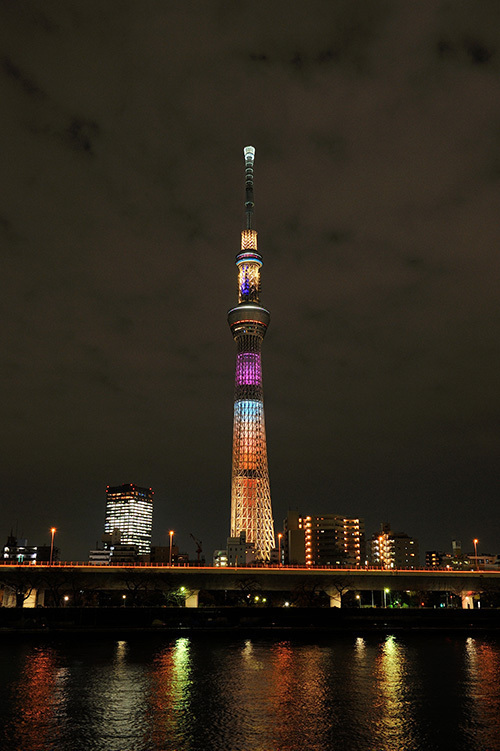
(249, 152)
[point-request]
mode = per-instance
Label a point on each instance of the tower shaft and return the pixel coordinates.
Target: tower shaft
(251, 510)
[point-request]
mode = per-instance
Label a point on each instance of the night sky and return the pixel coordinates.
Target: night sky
(377, 187)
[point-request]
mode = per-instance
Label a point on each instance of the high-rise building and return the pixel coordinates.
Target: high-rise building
(352, 541)
(251, 510)
(129, 511)
(324, 540)
(389, 549)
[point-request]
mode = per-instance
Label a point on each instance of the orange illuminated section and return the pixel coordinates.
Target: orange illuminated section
(249, 263)
(249, 239)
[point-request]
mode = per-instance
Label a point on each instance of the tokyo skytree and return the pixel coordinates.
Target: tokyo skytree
(251, 510)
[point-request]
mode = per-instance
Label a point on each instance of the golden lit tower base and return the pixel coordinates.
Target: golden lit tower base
(251, 510)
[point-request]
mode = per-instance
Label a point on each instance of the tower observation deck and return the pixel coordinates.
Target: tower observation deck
(251, 510)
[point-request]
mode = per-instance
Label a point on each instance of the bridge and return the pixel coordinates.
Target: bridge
(32, 585)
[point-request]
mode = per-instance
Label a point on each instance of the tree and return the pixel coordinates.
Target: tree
(21, 581)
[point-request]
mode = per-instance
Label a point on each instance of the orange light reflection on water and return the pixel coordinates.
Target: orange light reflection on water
(299, 697)
(483, 691)
(37, 701)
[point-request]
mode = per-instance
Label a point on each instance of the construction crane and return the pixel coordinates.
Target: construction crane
(199, 548)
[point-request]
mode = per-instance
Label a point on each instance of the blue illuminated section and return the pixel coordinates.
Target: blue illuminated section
(248, 410)
(249, 440)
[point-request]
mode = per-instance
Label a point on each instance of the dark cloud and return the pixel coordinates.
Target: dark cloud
(14, 72)
(82, 134)
(475, 51)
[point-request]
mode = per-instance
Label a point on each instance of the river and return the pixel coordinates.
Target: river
(427, 692)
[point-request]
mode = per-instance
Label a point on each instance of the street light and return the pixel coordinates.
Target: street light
(279, 547)
(475, 549)
(386, 592)
(171, 533)
(53, 532)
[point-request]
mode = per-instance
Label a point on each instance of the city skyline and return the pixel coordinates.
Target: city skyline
(376, 129)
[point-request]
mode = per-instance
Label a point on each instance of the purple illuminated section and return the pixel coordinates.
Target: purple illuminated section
(248, 369)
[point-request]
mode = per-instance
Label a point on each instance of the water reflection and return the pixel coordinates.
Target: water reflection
(169, 696)
(272, 696)
(302, 712)
(427, 693)
(396, 685)
(115, 699)
(482, 693)
(360, 647)
(38, 702)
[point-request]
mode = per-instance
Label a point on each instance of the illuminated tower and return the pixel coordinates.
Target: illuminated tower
(250, 494)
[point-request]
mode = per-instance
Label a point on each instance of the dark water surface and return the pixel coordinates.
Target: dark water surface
(210, 693)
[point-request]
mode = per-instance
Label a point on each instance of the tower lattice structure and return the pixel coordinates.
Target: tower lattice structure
(251, 510)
